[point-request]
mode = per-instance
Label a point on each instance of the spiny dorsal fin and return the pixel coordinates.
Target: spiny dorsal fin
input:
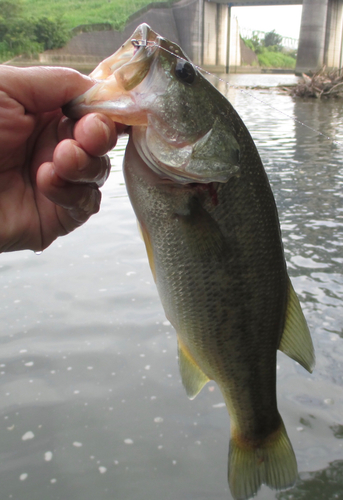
(296, 340)
(193, 378)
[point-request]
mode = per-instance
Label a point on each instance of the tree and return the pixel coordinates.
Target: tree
(273, 39)
(9, 10)
(52, 34)
(22, 35)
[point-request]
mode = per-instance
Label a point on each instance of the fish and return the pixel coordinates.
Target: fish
(210, 225)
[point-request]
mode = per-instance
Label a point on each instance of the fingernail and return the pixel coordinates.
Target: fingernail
(110, 140)
(65, 129)
(56, 180)
(90, 203)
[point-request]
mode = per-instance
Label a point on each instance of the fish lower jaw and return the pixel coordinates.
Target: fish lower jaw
(176, 175)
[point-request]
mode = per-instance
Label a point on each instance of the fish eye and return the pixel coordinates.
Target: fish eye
(184, 71)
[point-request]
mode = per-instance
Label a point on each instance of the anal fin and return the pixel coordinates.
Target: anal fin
(193, 378)
(296, 339)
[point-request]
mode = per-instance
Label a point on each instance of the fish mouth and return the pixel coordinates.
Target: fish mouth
(115, 77)
(129, 84)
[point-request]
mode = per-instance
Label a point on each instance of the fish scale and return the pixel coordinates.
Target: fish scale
(180, 274)
(210, 226)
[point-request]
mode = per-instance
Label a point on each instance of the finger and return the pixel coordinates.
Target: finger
(74, 164)
(79, 201)
(96, 133)
(41, 89)
(87, 203)
(65, 129)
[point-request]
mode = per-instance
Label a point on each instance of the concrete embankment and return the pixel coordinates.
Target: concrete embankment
(85, 50)
(179, 22)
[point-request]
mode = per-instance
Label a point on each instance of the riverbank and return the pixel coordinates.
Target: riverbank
(83, 64)
(323, 84)
(86, 64)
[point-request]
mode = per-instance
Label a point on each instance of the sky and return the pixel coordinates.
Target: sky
(284, 19)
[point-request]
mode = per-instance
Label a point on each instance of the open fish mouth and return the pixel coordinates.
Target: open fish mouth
(115, 77)
(151, 85)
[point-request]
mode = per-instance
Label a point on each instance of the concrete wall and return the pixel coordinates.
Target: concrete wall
(222, 34)
(333, 38)
(188, 16)
(210, 34)
(235, 45)
(101, 44)
(188, 22)
(182, 23)
(248, 56)
(215, 38)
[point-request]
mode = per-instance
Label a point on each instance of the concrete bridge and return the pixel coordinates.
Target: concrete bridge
(205, 30)
(320, 40)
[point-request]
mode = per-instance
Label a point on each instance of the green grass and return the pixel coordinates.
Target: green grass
(276, 60)
(19, 19)
(76, 12)
(271, 56)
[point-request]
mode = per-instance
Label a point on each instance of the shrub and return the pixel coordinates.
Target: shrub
(9, 10)
(270, 52)
(19, 35)
(29, 37)
(51, 34)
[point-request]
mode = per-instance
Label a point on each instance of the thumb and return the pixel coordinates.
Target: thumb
(41, 89)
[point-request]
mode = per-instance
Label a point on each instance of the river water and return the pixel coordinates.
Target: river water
(92, 406)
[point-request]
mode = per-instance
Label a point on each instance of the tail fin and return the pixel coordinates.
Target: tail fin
(273, 463)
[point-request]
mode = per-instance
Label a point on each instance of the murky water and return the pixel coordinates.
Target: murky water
(92, 405)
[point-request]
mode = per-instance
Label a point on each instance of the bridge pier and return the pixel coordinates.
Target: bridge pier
(320, 42)
(207, 35)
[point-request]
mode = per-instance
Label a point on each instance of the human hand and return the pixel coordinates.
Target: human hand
(50, 170)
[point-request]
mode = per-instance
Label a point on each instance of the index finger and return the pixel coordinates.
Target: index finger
(41, 89)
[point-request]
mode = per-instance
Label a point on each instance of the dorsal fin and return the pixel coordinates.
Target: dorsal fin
(296, 340)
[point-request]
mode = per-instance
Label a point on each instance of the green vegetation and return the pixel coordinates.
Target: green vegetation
(270, 52)
(270, 59)
(31, 26)
(20, 35)
(272, 39)
(76, 12)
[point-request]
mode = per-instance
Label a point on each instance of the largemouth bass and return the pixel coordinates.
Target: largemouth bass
(211, 230)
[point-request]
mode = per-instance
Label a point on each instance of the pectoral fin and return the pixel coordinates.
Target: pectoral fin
(202, 233)
(296, 340)
(146, 238)
(193, 378)
(216, 154)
